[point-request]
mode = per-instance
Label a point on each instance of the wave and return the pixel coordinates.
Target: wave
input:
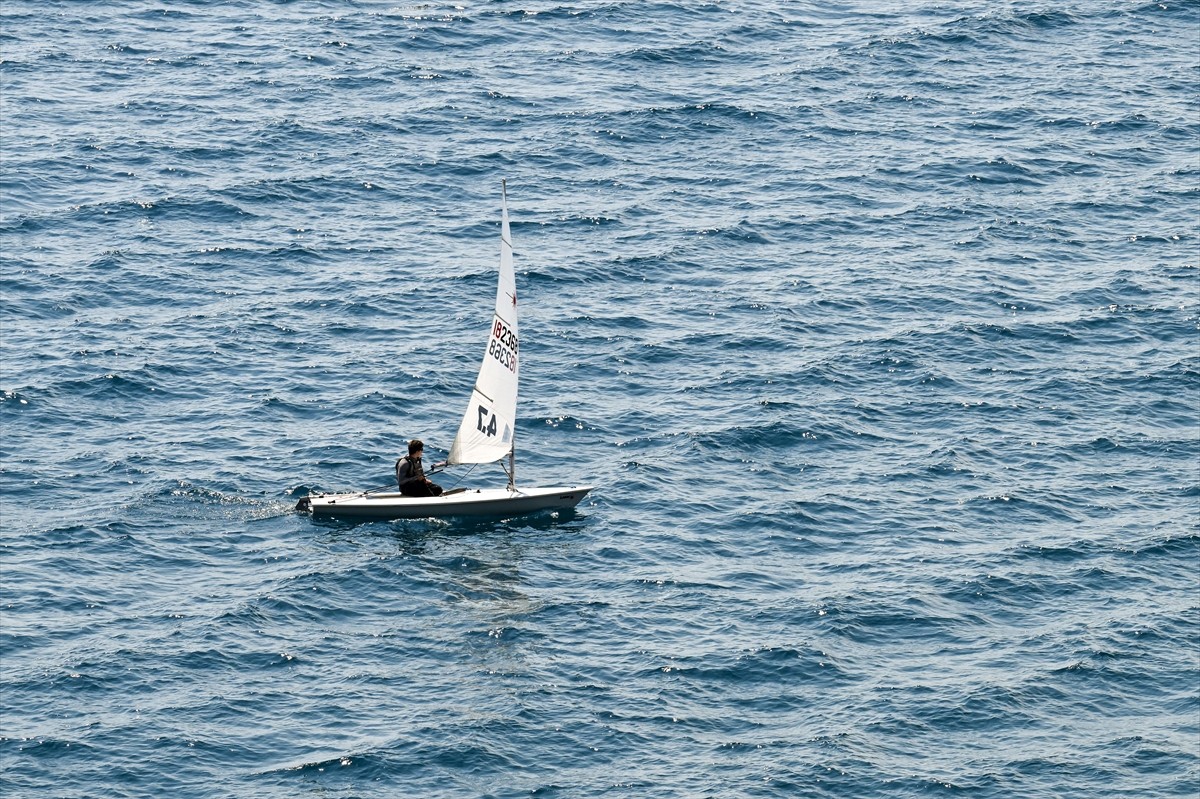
(771, 665)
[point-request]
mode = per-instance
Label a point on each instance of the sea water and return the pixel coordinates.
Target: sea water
(875, 326)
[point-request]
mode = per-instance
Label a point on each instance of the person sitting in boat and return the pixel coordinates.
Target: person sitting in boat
(410, 474)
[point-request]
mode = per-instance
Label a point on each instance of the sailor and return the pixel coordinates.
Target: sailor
(410, 475)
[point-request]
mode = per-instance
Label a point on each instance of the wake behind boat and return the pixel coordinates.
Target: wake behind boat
(486, 434)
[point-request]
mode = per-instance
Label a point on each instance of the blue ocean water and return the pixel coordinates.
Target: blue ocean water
(876, 325)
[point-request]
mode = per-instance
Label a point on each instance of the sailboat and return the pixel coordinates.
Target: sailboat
(487, 433)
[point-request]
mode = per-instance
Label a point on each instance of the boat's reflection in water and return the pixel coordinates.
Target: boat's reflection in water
(453, 525)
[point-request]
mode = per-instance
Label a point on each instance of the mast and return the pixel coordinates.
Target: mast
(512, 453)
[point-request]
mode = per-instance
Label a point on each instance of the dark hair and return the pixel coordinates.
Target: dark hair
(415, 446)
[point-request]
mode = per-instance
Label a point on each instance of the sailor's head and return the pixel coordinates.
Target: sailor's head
(415, 447)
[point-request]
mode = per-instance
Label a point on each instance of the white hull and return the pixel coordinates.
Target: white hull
(474, 502)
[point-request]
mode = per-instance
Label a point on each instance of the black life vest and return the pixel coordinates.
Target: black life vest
(408, 470)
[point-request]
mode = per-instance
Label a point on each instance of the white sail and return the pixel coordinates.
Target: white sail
(486, 432)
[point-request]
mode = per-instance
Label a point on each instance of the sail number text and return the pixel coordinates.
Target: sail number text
(487, 422)
(504, 345)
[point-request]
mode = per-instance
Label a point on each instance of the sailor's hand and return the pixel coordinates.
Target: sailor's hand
(441, 465)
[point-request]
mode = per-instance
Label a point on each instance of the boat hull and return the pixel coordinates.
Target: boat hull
(498, 502)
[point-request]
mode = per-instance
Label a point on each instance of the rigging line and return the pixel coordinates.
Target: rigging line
(512, 482)
(464, 477)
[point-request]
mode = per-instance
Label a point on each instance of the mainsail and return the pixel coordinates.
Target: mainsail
(486, 432)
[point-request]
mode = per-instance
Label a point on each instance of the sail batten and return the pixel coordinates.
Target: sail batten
(486, 432)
